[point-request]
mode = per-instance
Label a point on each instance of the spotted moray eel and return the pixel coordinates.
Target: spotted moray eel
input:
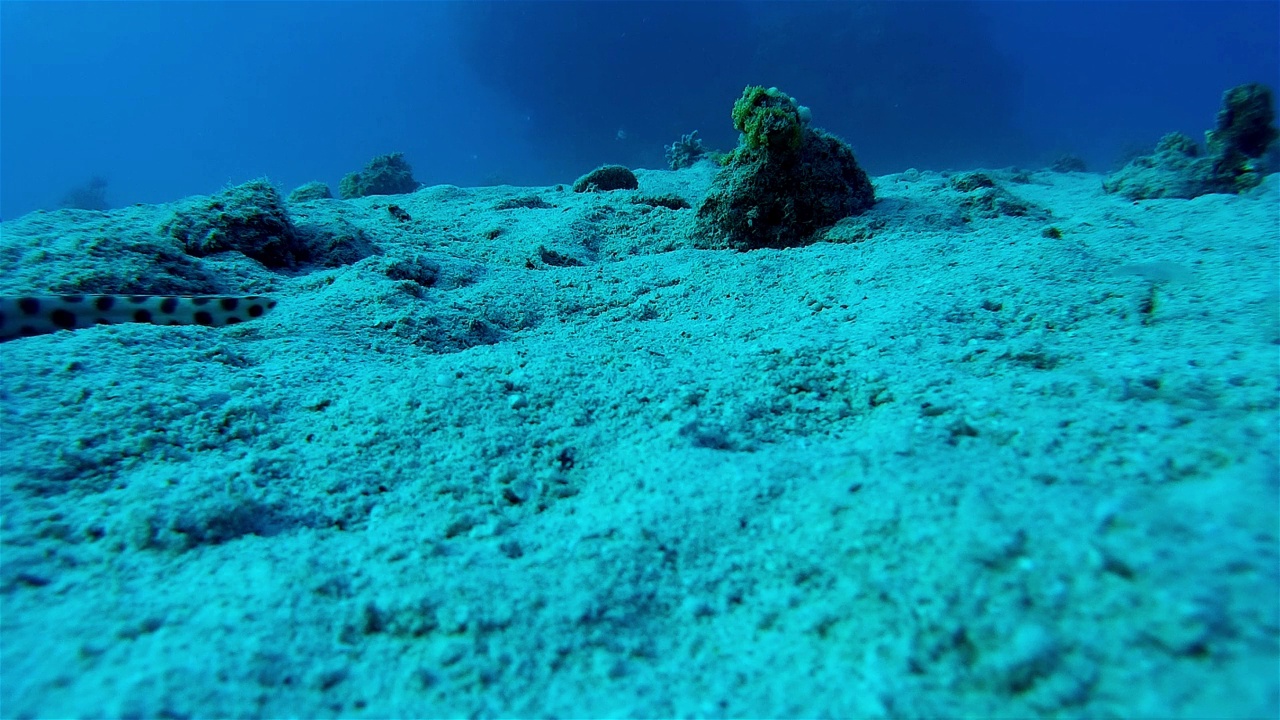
(27, 315)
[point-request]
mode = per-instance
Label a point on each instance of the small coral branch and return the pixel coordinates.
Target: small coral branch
(685, 152)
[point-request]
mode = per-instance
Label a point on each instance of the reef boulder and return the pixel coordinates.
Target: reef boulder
(784, 184)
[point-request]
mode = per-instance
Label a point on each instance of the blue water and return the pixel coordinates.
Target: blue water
(731, 440)
(167, 99)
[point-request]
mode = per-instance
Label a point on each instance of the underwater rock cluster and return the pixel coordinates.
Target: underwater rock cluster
(253, 219)
(1230, 161)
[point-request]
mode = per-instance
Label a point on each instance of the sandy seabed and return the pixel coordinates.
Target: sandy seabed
(538, 456)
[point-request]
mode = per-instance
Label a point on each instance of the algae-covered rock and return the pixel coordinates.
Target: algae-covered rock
(314, 190)
(249, 218)
(387, 174)
(606, 178)
(785, 182)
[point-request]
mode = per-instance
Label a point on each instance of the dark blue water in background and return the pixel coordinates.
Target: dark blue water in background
(169, 99)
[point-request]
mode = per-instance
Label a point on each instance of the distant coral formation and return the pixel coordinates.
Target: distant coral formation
(1069, 163)
(785, 182)
(92, 195)
(1231, 161)
(387, 174)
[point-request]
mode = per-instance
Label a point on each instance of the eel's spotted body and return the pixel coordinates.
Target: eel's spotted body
(26, 315)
